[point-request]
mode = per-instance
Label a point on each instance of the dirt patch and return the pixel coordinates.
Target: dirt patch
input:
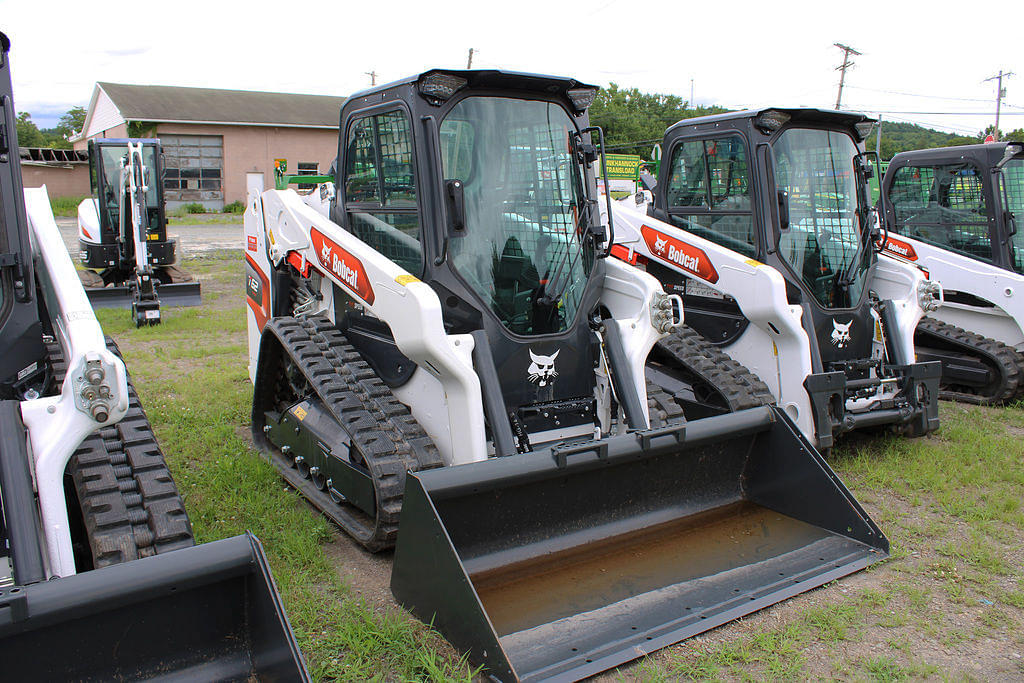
(368, 574)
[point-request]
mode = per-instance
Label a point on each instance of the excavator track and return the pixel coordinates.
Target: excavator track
(130, 505)
(716, 380)
(314, 358)
(1004, 364)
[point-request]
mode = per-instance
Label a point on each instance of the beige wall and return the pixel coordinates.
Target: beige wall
(60, 181)
(252, 149)
(119, 131)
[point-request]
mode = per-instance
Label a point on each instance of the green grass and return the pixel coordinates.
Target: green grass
(191, 375)
(950, 504)
(66, 206)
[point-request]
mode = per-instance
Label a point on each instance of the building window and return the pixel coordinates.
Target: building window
(193, 169)
(308, 168)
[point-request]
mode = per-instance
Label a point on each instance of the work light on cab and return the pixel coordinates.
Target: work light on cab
(440, 86)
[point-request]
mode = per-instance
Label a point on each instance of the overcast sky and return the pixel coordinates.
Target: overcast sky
(917, 57)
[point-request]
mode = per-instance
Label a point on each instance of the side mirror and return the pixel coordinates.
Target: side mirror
(783, 199)
(456, 204)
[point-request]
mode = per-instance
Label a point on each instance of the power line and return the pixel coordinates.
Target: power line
(847, 51)
(940, 113)
(910, 94)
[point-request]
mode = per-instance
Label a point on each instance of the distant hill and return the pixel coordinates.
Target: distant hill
(900, 137)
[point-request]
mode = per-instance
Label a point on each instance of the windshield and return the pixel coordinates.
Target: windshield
(522, 252)
(823, 243)
(110, 167)
(1013, 182)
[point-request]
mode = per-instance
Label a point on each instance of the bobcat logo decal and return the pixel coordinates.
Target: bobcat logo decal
(659, 244)
(841, 334)
(542, 370)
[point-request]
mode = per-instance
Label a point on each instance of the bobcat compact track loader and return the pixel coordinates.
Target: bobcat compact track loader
(99, 575)
(761, 222)
(443, 358)
(953, 212)
(122, 232)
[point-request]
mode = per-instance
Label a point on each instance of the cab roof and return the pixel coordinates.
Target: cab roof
(490, 79)
(796, 114)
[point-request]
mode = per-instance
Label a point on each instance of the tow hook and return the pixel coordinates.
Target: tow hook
(666, 312)
(92, 391)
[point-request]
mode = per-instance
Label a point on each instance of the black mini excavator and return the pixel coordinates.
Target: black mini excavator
(122, 232)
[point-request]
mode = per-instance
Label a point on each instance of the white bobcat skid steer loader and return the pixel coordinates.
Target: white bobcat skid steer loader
(954, 213)
(448, 361)
(99, 575)
(122, 232)
(760, 221)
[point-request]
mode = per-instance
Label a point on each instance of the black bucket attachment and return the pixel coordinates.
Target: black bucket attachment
(170, 294)
(210, 612)
(564, 562)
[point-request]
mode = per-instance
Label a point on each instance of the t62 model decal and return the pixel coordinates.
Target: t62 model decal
(257, 289)
(343, 266)
(900, 248)
(688, 257)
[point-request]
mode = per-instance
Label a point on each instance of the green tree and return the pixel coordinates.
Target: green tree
(71, 122)
(633, 121)
(28, 134)
(1013, 136)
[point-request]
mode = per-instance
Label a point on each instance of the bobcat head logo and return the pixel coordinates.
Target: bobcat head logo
(659, 244)
(542, 370)
(325, 253)
(841, 334)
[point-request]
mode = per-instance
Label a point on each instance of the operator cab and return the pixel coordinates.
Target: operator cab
(106, 165)
(480, 184)
(787, 187)
(967, 199)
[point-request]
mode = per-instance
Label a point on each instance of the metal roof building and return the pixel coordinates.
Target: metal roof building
(218, 143)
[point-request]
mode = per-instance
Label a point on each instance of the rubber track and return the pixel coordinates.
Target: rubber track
(1009, 362)
(702, 363)
(130, 505)
(383, 431)
(662, 408)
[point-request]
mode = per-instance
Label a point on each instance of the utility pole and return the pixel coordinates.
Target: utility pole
(469, 62)
(1000, 94)
(373, 77)
(878, 138)
(847, 51)
(691, 94)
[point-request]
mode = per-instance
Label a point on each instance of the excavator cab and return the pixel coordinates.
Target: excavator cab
(448, 363)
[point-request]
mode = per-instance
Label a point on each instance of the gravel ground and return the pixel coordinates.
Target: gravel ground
(193, 240)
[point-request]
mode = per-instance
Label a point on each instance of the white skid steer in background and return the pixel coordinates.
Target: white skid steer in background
(760, 221)
(954, 212)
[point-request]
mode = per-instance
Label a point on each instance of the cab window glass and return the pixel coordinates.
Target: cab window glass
(709, 192)
(361, 183)
(380, 188)
(943, 205)
(1012, 178)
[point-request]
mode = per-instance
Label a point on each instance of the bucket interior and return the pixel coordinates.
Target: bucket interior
(582, 569)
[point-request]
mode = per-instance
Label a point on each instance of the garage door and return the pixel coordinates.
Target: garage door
(194, 170)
